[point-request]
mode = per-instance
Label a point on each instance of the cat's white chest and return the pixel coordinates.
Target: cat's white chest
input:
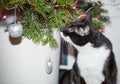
(91, 62)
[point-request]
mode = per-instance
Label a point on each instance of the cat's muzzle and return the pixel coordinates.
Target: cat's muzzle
(62, 29)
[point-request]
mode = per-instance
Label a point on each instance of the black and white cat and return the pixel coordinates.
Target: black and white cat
(95, 62)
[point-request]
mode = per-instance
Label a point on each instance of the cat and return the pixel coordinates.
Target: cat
(95, 61)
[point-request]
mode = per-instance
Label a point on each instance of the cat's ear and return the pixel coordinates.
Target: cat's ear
(87, 30)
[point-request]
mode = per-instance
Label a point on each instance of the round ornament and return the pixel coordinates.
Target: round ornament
(15, 30)
(100, 30)
(56, 6)
(81, 16)
(73, 7)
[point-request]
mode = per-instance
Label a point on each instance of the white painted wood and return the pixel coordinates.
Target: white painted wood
(25, 63)
(112, 30)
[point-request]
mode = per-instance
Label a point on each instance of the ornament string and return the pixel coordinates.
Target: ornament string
(15, 15)
(15, 12)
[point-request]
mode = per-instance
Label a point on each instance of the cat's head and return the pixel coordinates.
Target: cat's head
(77, 32)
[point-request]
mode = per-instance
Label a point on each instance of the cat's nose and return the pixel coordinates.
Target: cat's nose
(61, 29)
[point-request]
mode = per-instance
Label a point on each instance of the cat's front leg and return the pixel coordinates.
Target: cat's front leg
(110, 70)
(66, 78)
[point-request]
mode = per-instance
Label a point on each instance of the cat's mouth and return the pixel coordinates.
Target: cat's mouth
(62, 29)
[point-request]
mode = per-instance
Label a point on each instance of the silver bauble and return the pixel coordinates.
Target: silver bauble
(15, 30)
(49, 66)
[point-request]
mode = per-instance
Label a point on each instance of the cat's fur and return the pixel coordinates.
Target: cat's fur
(95, 62)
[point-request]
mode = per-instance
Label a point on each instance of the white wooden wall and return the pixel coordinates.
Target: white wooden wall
(112, 30)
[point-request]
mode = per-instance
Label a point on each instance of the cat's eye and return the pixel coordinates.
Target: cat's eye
(71, 30)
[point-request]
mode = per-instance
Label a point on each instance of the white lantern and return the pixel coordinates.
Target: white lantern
(15, 30)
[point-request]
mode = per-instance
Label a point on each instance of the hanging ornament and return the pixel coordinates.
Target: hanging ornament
(98, 15)
(15, 30)
(100, 30)
(73, 7)
(56, 6)
(4, 17)
(49, 65)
